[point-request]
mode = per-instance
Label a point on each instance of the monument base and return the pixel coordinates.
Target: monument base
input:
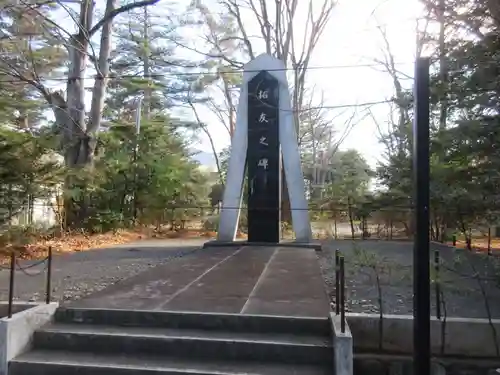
(288, 244)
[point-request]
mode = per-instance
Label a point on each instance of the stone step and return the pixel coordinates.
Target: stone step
(185, 343)
(69, 363)
(196, 320)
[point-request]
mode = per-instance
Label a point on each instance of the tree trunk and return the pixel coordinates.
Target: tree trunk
(497, 231)
(210, 139)
(351, 219)
(75, 140)
(81, 140)
(489, 240)
(78, 140)
(468, 240)
(31, 208)
(364, 223)
(443, 70)
(468, 236)
(432, 231)
(147, 92)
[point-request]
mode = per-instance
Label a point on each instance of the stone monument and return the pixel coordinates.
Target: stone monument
(264, 142)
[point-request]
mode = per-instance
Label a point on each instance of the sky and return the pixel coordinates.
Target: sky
(338, 70)
(352, 39)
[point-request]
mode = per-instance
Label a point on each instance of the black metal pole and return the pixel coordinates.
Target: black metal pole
(49, 277)
(437, 284)
(421, 256)
(337, 282)
(342, 295)
(11, 283)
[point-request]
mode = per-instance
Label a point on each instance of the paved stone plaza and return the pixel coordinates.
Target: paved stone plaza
(246, 280)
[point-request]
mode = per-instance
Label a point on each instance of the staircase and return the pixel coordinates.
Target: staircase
(119, 342)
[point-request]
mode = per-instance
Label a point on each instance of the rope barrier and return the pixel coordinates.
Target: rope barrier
(23, 269)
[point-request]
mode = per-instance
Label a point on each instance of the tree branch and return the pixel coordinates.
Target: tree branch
(207, 132)
(125, 8)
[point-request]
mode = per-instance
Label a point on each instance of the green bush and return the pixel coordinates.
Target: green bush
(104, 221)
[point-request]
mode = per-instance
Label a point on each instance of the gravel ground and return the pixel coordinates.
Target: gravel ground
(75, 275)
(78, 274)
(460, 275)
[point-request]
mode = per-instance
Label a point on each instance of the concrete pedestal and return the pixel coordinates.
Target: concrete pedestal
(342, 347)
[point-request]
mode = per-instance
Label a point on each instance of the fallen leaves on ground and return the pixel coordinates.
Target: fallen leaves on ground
(72, 242)
(479, 244)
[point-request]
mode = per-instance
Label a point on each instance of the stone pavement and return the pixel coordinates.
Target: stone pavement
(239, 280)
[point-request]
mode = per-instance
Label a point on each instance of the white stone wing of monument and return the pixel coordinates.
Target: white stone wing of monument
(232, 197)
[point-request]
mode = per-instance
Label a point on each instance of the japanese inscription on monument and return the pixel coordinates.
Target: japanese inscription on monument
(263, 159)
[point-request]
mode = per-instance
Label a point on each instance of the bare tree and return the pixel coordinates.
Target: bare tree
(203, 126)
(443, 69)
(389, 64)
(224, 84)
(232, 42)
(395, 136)
(320, 137)
(276, 22)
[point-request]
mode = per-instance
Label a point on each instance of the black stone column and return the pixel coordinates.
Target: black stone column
(263, 159)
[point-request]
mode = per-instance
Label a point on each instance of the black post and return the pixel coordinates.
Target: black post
(437, 284)
(49, 277)
(489, 240)
(342, 295)
(337, 282)
(11, 283)
(421, 256)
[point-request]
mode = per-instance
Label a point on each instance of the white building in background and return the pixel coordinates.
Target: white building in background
(209, 171)
(207, 168)
(42, 212)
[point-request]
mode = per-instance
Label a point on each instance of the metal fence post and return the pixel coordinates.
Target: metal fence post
(11, 283)
(48, 291)
(337, 282)
(437, 284)
(342, 295)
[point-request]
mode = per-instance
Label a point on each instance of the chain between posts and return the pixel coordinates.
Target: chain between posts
(15, 266)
